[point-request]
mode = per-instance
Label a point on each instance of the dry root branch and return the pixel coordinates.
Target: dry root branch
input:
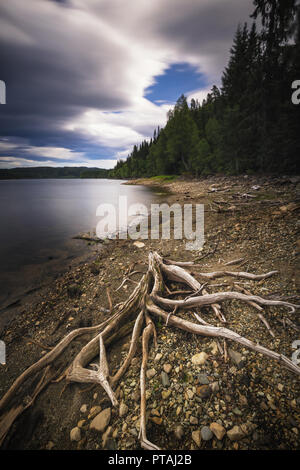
(149, 300)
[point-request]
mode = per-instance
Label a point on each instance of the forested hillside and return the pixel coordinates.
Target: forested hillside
(250, 124)
(52, 172)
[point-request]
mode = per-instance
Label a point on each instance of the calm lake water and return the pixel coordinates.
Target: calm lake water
(38, 219)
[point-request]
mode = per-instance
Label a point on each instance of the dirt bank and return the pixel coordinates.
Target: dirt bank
(252, 218)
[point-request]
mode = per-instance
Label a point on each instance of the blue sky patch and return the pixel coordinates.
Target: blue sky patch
(179, 78)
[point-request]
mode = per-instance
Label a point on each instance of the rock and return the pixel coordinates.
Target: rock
(179, 432)
(236, 433)
(218, 430)
(215, 387)
(150, 373)
(236, 358)
(165, 394)
(237, 412)
(243, 400)
(202, 379)
(193, 420)
(167, 368)
(106, 435)
(189, 394)
(196, 436)
(83, 409)
(136, 396)
(280, 387)
(203, 391)
(214, 348)
(49, 445)
(165, 379)
(123, 410)
(75, 434)
(156, 420)
(199, 359)
(80, 423)
(101, 421)
(139, 244)
(289, 208)
(158, 357)
(111, 444)
(206, 433)
(95, 410)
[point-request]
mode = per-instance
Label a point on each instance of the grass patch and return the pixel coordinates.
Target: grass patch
(266, 195)
(164, 178)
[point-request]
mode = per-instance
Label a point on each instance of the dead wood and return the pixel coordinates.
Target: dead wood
(148, 301)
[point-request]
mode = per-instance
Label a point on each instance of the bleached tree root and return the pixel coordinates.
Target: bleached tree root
(150, 299)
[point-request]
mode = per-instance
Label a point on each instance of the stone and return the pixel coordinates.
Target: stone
(206, 433)
(193, 420)
(189, 394)
(218, 430)
(280, 387)
(203, 391)
(80, 423)
(215, 387)
(139, 244)
(236, 433)
(179, 432)
(123, 410)
(111, 444)
(75, 434)
(202, 379)
(167, 368)
(199, 359)
(101, 421)
(243, 400)
(236, 358)
(49, 445)
(165, 394)
(95, 410)
(196, 436)
(106, 435)
(136, 396)
(156, 420)
(165, 379)
(214, 348)
(158, 357)
(84, 408)
(150, 373)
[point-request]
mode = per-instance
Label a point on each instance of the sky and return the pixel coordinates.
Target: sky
(88, 79)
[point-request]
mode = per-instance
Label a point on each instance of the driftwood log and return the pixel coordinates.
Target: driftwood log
(150, 299)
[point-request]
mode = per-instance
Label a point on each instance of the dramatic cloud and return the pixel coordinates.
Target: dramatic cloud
(78, 72)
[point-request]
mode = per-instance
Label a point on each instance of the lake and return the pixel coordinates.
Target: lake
(38, 219)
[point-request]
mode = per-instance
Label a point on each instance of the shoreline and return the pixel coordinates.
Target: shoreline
(256, 228)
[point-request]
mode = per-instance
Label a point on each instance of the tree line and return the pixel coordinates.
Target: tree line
(249, 124)
(52, 172)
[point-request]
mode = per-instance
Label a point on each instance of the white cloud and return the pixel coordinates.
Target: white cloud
(59, 153)
(90, 58)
